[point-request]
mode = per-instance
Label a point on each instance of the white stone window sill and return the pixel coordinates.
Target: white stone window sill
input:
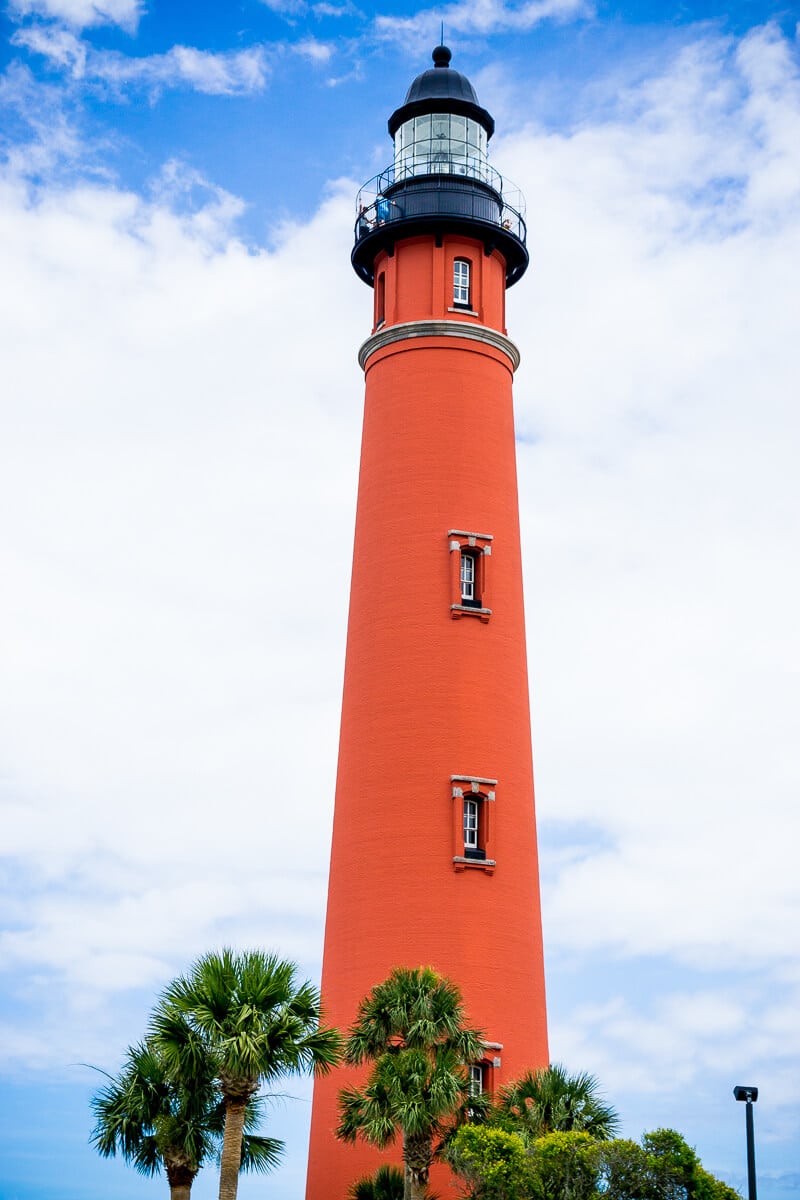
(483, 864)
(464, 610)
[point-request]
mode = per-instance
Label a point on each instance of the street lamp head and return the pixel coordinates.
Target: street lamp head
(750, 1094)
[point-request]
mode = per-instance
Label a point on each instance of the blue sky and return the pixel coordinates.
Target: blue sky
(181, 414)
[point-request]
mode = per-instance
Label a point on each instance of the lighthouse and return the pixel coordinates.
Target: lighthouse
(434, 857)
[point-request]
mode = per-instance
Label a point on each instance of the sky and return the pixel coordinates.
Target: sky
(181, 408)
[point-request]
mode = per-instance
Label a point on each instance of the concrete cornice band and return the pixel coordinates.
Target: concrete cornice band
(454, 329)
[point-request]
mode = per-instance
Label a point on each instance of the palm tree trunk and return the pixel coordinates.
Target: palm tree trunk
(180, 1179)
(416, 1164)
(180, 1191)
(231, 1159)
(412, 1189)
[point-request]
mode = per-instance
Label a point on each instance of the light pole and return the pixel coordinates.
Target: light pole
(749, 1095)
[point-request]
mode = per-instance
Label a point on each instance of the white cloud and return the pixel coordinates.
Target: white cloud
(60, 46)
(681, 1042)
(221, 426)
(287, 8)
(314, 50)
(237, 71)
(82, 13)
(226, 73)
(659, 483)
(335, 10)
(481, 17)
(37, 136)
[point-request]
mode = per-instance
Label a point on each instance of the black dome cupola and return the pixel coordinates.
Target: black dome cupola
(441, 89)
(440, 180)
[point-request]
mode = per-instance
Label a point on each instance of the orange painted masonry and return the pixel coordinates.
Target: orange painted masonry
(434, 709)
(419, 282)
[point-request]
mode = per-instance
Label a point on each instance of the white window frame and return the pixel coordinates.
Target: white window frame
(472, 816)
(462, 280)
(468, 572)
(476, 1080)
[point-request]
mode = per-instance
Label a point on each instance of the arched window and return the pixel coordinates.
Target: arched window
(470, 593)
(469, 574)
(474, 819)
(474, 797)
(380, 299)
(476, 1082)
(481, 1074)
(470, 824)
(461, 283)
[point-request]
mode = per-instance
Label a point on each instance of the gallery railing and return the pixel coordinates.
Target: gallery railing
(440, 187)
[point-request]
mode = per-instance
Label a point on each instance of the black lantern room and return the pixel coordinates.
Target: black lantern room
(440, 180)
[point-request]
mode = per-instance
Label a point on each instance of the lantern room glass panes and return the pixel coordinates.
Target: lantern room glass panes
(440, 143)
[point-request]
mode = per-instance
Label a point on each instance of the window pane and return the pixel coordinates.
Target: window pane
(440, 126)
(471, 824)
(461, 289)
(467, 577)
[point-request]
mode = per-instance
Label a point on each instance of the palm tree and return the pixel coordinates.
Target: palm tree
(385, 1184)
(255, 1023)
(551, 1100)
(412, 1029)
(155, 1120)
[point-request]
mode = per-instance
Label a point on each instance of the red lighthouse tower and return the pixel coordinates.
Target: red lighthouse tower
(434, 857)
